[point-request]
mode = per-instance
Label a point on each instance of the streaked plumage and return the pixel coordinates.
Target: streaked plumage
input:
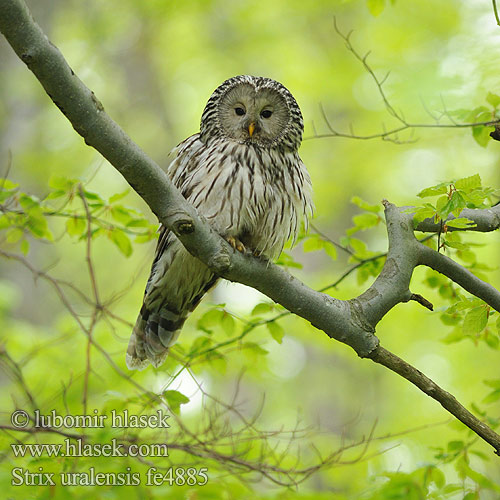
(242, 172)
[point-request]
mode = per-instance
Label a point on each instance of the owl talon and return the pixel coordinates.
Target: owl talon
(236, 244)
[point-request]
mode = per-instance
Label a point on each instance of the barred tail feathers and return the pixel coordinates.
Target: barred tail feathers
(176, 286)
(153, 334)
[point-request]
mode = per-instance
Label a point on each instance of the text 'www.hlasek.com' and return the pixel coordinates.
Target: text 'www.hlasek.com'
(73, 446)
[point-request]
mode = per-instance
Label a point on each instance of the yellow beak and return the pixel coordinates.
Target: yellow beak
(251, 128)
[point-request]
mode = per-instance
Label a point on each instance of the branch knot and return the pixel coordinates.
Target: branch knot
(184, 226)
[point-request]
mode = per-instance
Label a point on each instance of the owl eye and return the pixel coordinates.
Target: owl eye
(239, 111)
(266, 113)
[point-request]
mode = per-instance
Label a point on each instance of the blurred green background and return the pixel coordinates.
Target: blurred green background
(154, 64)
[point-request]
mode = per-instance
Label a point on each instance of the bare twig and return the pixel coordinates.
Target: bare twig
(93, 280)
(422, 300)
(392, 134)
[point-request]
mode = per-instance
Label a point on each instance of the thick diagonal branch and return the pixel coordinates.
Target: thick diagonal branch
(87, 115)
(351, 322)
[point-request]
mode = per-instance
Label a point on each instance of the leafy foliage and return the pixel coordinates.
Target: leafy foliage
(25, 217)
(271, 407)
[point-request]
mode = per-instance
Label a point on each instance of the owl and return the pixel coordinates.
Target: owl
(243, 174)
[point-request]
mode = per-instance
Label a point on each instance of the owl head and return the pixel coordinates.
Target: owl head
(253, 110)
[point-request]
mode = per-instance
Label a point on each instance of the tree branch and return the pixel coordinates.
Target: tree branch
(446, 399)
(467, 280)
(351, 322)
(486, 219)
(87, 115)
(392, 135)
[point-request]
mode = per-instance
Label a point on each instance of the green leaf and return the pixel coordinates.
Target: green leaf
(37, 224)
(210, 320)
(227, 323)
(121, 240)
(479, 114)
(365, 205)
(5, 195)
(494, 383)
(75, 226)
(6, 221)
(375, 6)
(92, 196)
(491, 340)
(28, 202)
(454, 205)
(433, 191)
(25, 246)
(441, 202)
(330, 249)
(480, 454)
(468, 183)
(94, 199)
(472, 495)
(437, 476)
(359, 248)
(121, 214)
(7, 189)
(478, 478)
(493, 99)
(262, 308)
(200, 344)
(492, 396)
(461, 222)
(475, 320)
(61, 183)
(138, 223)
(452, 488)
(255, 348)
(14, 234)
(312, 244)
(58, 193)
(119, 196)
(366, 220)
(451, 319)
(454, 446)
(422, 214)
(174, 400)
(276, 331)
(7, 185)
(455, 336)
(481, 135)
(456, 244)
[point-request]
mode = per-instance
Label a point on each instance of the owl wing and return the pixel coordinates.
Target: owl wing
(176, 284)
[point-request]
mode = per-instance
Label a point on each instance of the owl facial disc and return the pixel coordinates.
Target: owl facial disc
(253, 110)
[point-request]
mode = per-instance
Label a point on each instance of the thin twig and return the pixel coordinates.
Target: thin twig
(391, 134)
(495, 10)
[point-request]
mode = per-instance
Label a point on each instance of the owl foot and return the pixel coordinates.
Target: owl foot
(236, 244)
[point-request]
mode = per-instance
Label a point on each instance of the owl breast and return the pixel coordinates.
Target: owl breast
(258, 195)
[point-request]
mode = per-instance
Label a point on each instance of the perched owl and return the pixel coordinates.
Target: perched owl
(243, 173)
